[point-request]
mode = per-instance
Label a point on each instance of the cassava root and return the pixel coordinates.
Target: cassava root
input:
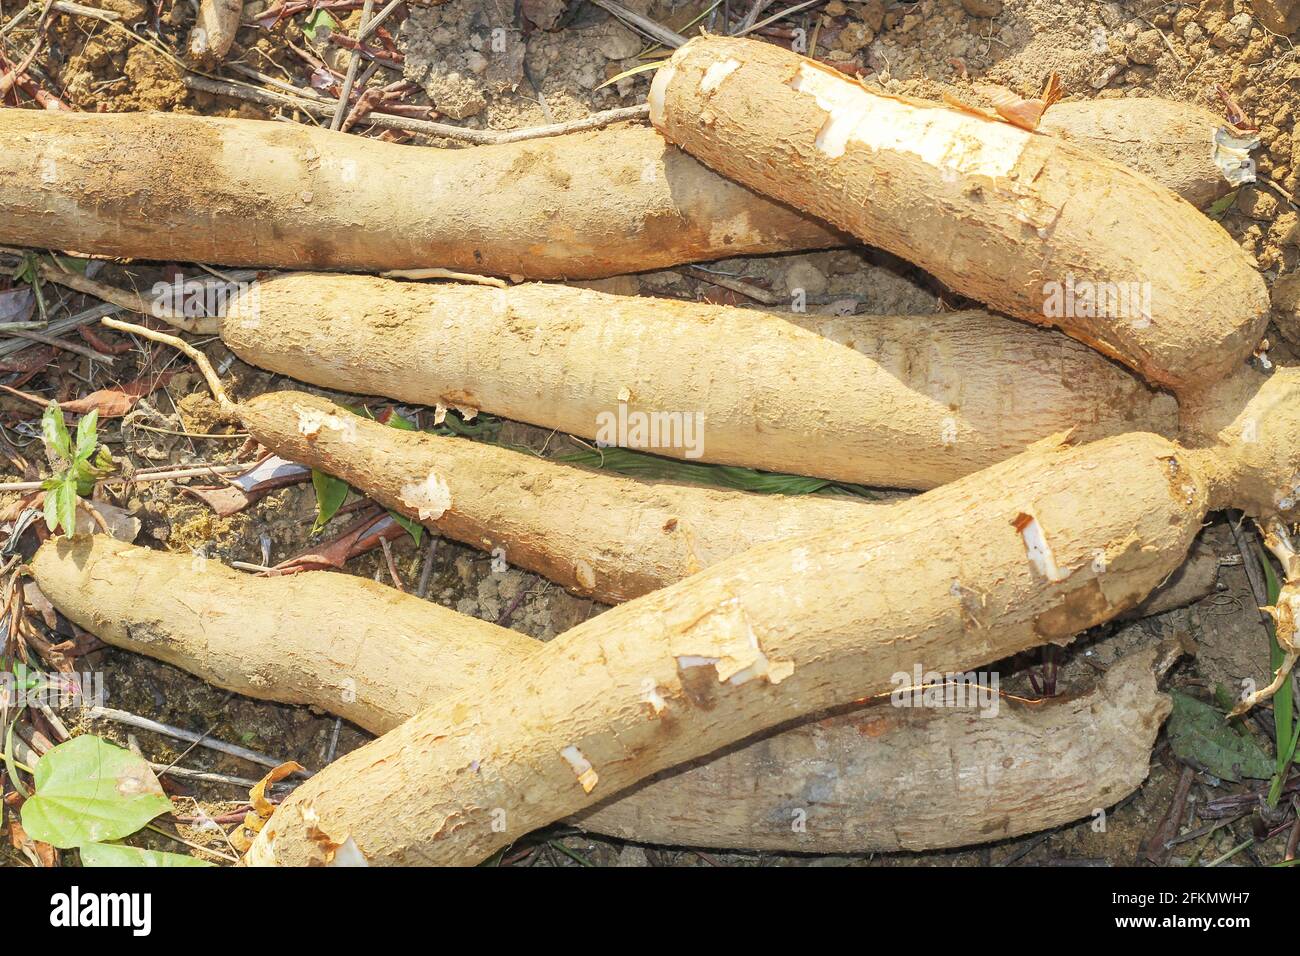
(874, 778)
(175, 187)
(1011, 218)
(585, 205)
(594, 533)
(905, 402)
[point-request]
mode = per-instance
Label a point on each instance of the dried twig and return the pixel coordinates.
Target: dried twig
(427, 127)
(199, 359)
(354, 63)
(189, 736)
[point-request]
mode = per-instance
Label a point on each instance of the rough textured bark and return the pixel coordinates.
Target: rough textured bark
(873, 778)
(1031, 550)
(908, 402)
(1003, 215)
(595, 533)
(167, 186)
(356, 648)
(881, 778)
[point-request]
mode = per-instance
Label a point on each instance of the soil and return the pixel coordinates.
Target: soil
(501, 65)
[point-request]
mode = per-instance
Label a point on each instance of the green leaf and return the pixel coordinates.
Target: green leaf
(1201, 738)
(320, 20)
(413, 528)
(331, 492)
(641, 464)
(72, 263)
(52, 505)
(27, 679)
(87, 435)
(115, 854)
(68, 505)
(54, 432)
(88, 791)
(1220, 207)
(399, 422)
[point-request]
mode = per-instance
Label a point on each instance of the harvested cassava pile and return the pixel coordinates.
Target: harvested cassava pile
(1032, 550)
(863, 780)
(740, 681)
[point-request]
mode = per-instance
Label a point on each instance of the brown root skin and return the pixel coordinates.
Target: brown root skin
(882, 778)
(215, 29)
(1000, 214)
(911, 401)
(376, 656)
(560, 520)
(967, 574)
(595, 533)
(583, 205)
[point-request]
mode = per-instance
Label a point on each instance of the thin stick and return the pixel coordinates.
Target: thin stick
(125, 299)
(95, 313)
(189, 736)
(426, 570)
(392, 566)
(19, 17)
(777, 16)
(439, 273)
(479, 137)
(737, 285)
(644, 25)
(200, 472)
(368, 28)
(66, 346)
(345, 96)
(197, 357)
(76, 9)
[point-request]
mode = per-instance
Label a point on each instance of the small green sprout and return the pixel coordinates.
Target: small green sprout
(80, 463)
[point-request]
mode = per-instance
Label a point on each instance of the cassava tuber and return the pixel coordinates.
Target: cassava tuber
(873, 778)
(1024, 222)
(168, 186)
(1168, 141)
(595, 533)
(1031, 550)
(910, 402)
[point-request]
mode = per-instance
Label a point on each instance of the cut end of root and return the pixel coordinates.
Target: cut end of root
(658, 92)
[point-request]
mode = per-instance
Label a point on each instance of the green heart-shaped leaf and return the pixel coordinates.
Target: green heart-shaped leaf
(88, 791)
(115, 854)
